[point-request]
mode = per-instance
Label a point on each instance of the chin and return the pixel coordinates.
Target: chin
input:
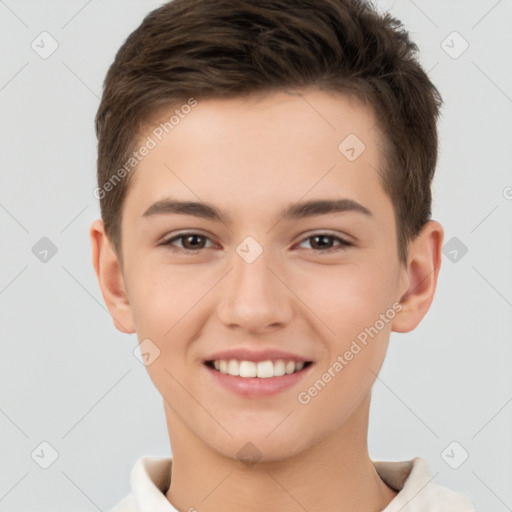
(256, 447)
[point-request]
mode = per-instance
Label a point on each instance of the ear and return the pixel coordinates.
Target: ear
(420, 277)
(110, 277)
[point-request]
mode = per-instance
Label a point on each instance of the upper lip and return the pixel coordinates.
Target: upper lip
(245, 354)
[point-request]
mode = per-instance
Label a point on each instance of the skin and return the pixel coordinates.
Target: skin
(251, 157)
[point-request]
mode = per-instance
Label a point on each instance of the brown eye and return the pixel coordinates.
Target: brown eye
(322, 242)
(190, 242)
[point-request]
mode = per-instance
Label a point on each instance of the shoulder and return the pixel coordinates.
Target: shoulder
(149, 479)
(417, 490)
(451, 501)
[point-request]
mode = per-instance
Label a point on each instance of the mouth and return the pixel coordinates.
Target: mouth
(260, 370)
(261, 379)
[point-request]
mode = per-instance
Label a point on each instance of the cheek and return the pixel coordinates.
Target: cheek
(354, 307)
(159, 297)
(170, 308)
(345, 298)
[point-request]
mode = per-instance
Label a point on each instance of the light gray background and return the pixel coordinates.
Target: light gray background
(70, 379)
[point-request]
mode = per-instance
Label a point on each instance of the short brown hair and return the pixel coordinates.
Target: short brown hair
(228, 48)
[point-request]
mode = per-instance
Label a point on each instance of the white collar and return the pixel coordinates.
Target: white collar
(417, 491)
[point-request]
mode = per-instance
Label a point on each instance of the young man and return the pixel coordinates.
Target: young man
(264, 172)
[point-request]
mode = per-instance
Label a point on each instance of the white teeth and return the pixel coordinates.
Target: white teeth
(279, 368)
(290, 367)
(247, 369)
(233, 367)
(263, 369)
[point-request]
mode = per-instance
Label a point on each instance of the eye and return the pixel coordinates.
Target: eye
(192, 242)
(321, 241)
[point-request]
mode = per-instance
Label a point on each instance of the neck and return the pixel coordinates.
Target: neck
(334, 474)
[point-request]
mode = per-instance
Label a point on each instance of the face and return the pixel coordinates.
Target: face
(253, 275)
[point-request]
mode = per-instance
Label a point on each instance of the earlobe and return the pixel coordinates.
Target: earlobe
(110, 278)
(423, 265)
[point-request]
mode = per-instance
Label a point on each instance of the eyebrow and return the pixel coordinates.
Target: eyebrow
(294, 211)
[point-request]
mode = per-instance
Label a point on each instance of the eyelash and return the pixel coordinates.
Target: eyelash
(343, 245)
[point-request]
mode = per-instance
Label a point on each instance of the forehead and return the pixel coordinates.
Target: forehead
(252, 151)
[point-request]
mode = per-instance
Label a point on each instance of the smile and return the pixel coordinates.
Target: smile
(262, 369)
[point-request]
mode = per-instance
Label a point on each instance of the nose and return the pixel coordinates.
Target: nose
(254, 297)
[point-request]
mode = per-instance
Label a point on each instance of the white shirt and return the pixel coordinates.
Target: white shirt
(417, 491)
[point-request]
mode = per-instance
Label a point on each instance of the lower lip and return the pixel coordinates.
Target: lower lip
(255, 386)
